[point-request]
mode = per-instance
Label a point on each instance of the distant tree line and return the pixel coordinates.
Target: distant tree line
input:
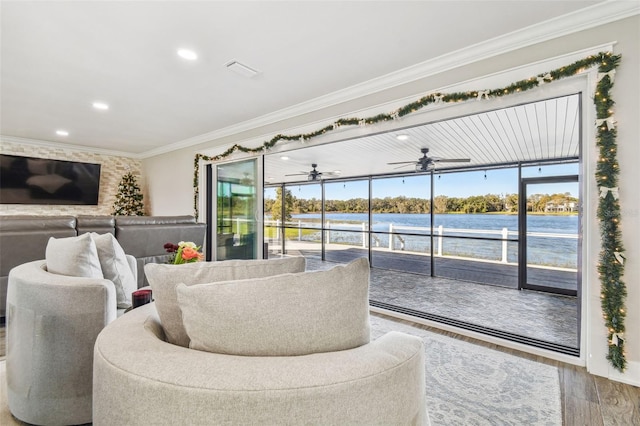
(489, 203)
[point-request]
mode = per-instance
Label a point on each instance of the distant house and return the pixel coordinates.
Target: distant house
(553, 207)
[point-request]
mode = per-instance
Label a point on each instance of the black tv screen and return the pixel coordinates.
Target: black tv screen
(30, 180)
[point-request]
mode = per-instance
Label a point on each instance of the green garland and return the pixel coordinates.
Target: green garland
(611, 266)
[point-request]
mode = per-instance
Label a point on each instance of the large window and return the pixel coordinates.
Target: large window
(293, 220)
(272, 223)
(346, 220)
(476, 221)
(400, 208)
(303, 221)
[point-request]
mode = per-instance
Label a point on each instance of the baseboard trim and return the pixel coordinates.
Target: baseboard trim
(631, 375)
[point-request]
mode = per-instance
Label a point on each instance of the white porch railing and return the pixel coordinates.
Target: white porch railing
(397, 234)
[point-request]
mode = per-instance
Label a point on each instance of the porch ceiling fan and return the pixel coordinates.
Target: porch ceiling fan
(313, 174)
(426, 163)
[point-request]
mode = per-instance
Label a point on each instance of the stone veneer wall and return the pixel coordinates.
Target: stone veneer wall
(111, 171)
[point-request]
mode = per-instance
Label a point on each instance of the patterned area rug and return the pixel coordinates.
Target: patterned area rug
(469, 384)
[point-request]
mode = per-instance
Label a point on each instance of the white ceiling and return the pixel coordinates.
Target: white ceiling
(59, 57)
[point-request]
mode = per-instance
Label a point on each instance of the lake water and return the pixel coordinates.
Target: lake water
(544, 250)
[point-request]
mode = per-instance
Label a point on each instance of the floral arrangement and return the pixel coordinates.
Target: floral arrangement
(183, 252)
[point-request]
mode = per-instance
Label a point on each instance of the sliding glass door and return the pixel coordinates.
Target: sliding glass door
(237, 211)
(549, 240)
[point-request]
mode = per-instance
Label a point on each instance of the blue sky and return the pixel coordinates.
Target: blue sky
(502, 181)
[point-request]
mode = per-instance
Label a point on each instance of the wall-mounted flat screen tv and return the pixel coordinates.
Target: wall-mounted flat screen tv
(30, 180)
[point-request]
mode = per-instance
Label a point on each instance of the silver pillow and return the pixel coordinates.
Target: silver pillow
(164, 279)
(115, 267)
(73, 256)
(283, 315)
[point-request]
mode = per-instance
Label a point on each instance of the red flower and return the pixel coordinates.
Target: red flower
(171, 248)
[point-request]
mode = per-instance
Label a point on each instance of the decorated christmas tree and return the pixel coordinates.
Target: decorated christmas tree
(129, 197)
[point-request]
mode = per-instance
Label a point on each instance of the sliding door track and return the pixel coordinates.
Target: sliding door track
(529, 341)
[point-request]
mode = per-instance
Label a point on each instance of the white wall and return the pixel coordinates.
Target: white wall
(170, 175)
(171, 192)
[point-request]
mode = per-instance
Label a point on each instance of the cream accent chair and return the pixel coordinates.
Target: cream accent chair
(52, 324)
(142, 379)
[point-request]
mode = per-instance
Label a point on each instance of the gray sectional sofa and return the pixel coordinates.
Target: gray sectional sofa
(23, 238)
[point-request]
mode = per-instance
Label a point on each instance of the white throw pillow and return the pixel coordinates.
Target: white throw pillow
(73, 256)
(283, 315)
(164, 279)
(115, 267)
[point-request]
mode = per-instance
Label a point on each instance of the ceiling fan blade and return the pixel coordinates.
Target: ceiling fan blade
(452, 160)
(404, 165)
(402, 162)
(298, 174)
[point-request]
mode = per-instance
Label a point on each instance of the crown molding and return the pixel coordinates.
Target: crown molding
(343, 133)
(67, 147)
(593, 16)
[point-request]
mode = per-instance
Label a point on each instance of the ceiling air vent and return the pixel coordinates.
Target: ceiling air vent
(242, 69)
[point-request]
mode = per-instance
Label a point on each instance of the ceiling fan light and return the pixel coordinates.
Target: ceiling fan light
(424, 167)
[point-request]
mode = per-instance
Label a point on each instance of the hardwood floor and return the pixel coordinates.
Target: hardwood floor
(3, 343)
(587, 400)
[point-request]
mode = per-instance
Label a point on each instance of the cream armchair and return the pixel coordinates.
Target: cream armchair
(256, 342)
(141, 379)
(52, 324)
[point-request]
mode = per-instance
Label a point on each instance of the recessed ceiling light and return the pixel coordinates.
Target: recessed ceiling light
(402, 137)
(284, 157)
(62, 133)
(100, 105)
(242, 69)
(187, 54)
